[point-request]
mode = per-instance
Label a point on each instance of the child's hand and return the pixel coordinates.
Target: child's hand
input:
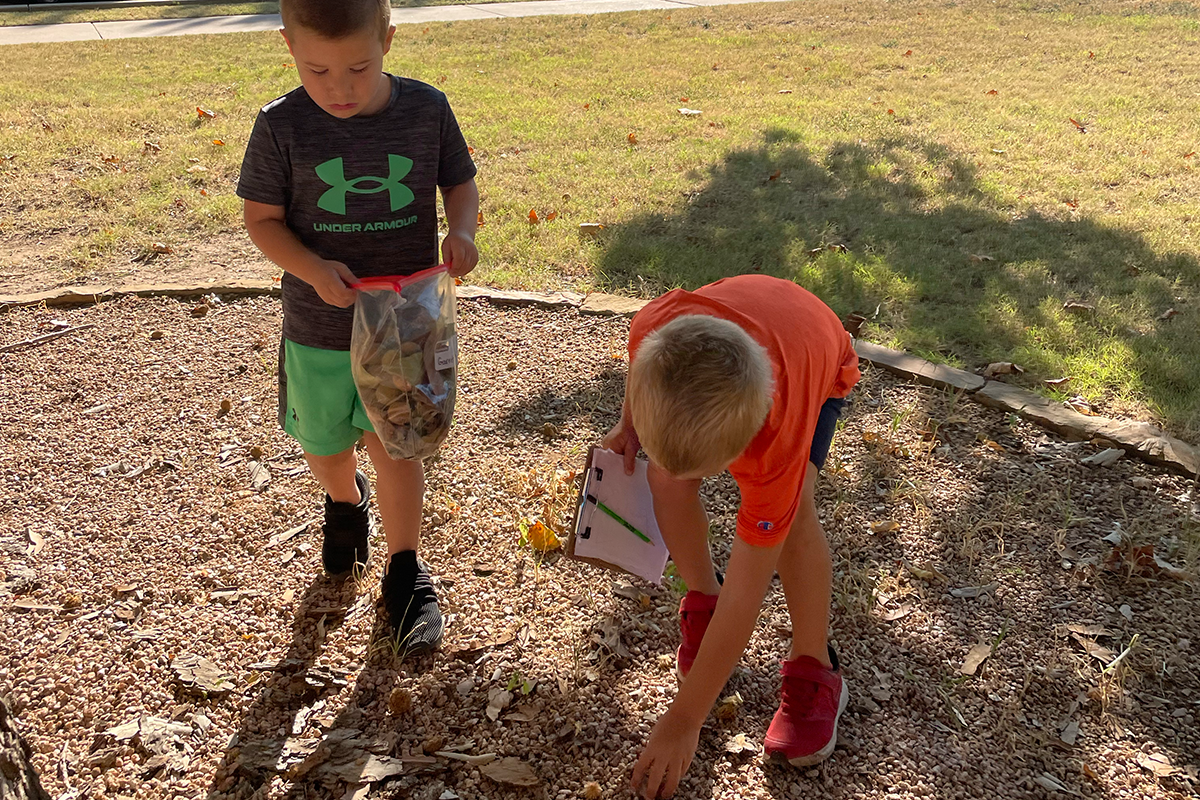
(623, 440)
(331, 284)
(666, 757)
(459, 251)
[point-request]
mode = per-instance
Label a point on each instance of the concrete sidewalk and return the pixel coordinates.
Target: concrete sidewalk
(131, 29)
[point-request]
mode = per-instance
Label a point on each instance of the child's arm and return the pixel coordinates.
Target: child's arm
(673, 741)
(267, 226)
(462, 217)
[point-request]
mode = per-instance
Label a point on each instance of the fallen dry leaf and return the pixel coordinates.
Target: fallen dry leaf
(1158, 764)
(885, 526)
(260, 476)
(632, 138)
(1056, 381)
(511, 771)
(1089, 629)
(195, 672)
(1076, 307)
(1096, 651)
(1170, 312)
(1048, 781)
(1080, 405)
(1142, 562)
(740, 746)
(498, 700)
(538, 535)
(979, 258)
(204, 113)
(728, 707)
(533, 216)
(1105, 458)
(853, 324)
(975, 657)
(898, 613)
(1002, 368)
(973, 591)
(925, 573)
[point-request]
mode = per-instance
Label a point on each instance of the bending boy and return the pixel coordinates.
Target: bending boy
(746, 375)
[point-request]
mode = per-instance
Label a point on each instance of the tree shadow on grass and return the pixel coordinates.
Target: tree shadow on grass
(905, 226)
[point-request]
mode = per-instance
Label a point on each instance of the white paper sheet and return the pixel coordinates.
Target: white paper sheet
(600, 536)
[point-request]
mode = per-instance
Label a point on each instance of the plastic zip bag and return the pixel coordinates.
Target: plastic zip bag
(404, 358)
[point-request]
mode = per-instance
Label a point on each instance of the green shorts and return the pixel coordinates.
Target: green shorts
(318, 402)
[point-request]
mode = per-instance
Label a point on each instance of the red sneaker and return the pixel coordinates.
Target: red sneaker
(695, 612)
(804, 730)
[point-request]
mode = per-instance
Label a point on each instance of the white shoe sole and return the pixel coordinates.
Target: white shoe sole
(826, 751)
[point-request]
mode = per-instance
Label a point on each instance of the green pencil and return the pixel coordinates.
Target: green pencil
(620, 519)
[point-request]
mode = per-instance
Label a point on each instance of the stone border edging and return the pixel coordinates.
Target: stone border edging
(1140, 439)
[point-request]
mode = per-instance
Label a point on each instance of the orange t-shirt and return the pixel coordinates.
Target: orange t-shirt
(812, 358)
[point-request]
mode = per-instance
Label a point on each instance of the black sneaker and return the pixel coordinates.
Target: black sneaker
(347, 532)
(411, 604)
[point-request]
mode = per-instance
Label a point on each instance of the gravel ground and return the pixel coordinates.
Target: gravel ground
(133, 539)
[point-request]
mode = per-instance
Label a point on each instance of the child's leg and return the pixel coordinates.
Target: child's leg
(336, 475)
(684, 525)
(408, 593)
(806, 571)
(399, 493)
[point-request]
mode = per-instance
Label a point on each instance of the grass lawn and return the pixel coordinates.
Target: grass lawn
(49, 14)
(914, 162)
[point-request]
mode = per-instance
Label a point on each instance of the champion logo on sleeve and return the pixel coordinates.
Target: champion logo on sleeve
(764, 525)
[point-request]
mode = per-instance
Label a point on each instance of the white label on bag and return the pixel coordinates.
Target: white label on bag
(443, 356)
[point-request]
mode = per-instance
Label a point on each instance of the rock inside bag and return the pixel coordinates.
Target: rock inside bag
(404, 356)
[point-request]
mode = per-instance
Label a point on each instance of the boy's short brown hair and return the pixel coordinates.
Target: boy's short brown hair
(335, 19)
(699, 390)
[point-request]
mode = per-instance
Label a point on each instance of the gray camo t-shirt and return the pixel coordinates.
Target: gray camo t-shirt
(362, 191)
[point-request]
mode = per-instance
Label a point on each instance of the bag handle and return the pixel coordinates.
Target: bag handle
(397, 282)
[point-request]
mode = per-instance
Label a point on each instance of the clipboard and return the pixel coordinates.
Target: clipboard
(597, 538)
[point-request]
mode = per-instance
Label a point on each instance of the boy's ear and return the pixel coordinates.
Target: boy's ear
(387, 39)
(283, 33)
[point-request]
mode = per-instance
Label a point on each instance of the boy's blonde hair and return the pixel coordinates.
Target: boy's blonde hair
(336, 19)
(699, 391)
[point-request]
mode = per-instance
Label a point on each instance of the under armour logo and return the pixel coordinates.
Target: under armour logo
(333, 173)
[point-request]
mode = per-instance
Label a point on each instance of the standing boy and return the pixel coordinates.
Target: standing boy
(340, 182)
(746, 374)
